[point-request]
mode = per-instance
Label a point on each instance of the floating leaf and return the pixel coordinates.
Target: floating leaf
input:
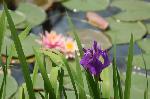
(138, 61)
(45, 4)
(34, 14)
(11, 86)
(120, 32)
(86, 5)
(39, 84)
(17, 16)
(144, 45)
(27, 45)
(132, 10)
(138, 86)
(148, 28)
(87, 35)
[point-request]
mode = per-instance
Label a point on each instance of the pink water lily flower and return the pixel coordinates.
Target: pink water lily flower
(70, 48)
(52, 40)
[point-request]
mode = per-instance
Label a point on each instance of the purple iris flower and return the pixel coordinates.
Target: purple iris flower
(95, 59)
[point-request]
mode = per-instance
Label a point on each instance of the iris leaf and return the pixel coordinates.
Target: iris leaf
(20, 53)
(129, 70)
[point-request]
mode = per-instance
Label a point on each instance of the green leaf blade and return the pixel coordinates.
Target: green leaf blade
(129, 70)
(20, 53)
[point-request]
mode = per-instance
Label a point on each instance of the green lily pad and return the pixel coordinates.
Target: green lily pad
(34, 14)
(144, 45)
(138, 85)
(27, 45)
(132, 10)
(87, 36)
(11, 86)
(17, 16)
(39, 85)
(148, 28)
(86, 5)
(120, 32)
(138, 61)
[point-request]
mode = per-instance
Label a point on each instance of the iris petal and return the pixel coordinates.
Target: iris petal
(90, 61)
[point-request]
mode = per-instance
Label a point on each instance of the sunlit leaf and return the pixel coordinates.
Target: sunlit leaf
(138, 61)
(120, 32)
(27, 44)
(86, 5)
(144, 45)
(11, 85)
(138, 82)
(34, 14)
(132, 10)
(87, 35)
(17, 16)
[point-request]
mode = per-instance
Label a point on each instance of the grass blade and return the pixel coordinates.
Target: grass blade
(129, 70)
(42, 96)
(71, 75)
(80, 84)
(146, 89)
(24, 33)
(53, 78)
(35, 73)
(47, 83)
(92, 85)
(71, 72)
(115, 83)
(23, 94)
(105, 76)
(60, 80)
(2, 87)
(72, 27)
(21, 55)
(119, 85)
(2, 29)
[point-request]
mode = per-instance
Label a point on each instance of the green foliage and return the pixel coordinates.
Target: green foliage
(72, 27)
(139, 7)
(87, 35)
(86, 5)
(143, 44)
(129, 70)
(47, 82)
(27, 42)
(120, 32)
(34, 14)
(17, 16)
(20, 53)
(2, 29)
(11, 86)
(61, 76)
(138, 61)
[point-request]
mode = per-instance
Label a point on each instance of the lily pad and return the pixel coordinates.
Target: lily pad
(34, 14)
(87, 36)
(120, 32)
(144, 45)
(27, 45)
(11, 86)
(39, 85)
(148, 28)
(45, 4)
(138, 85)
(86, 5)
(132, 10)
(17, 16)
(138, 61)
